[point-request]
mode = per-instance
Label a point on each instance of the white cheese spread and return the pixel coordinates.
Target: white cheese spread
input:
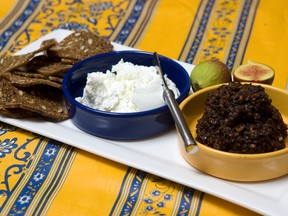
(126, 88)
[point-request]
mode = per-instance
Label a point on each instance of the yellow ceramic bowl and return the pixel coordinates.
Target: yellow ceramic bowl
(232, 166)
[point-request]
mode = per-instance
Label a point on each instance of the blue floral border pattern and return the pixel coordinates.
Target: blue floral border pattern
(36, 180)
(44, 166)
(17, 24)
(133, 191)
(239, 33)
(134, 23)
(200, 30)
(134, 183)
(133, 19)
(243, 29)
(144, 23)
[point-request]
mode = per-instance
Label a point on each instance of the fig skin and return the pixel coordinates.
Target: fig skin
(254, 72)
(208, 73)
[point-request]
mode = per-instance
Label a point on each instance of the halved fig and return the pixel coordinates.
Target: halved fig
(254, 72)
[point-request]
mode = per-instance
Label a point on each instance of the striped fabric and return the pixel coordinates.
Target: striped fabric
(39, 176)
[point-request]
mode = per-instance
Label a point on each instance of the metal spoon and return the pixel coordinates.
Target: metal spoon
(169, 97)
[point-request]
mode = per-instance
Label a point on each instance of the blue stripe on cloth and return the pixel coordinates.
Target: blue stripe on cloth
(130, 22)
(134, 184)
(200, 204)
(239, 34)
(12, 146)
(131, 197)
(56, 181)
(240, 38)
(40, 175)
(120, 191)
(186, 199)
(143, 24)
(17, 24)
(200, 31)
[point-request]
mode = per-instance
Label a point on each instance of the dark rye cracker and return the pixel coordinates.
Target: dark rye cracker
(22, 81)
(30, 84)
(68, 61)
(47, 102)
(19, 113)
(27, 74)
(47, 44)
(47, 66)
(9, 63)
(80, 45)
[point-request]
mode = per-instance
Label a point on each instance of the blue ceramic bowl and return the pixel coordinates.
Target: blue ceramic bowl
(121, 126)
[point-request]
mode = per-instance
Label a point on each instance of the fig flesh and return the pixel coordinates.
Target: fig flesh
(254, 72)
(209, 73)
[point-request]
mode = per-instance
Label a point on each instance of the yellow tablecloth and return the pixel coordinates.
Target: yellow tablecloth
(39, 176)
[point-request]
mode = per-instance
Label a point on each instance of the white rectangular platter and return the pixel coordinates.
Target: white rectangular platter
(160, 156)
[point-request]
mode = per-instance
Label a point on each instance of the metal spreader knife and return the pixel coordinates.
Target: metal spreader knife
(169, 98)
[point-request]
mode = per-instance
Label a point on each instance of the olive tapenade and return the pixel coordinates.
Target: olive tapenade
(240, 118)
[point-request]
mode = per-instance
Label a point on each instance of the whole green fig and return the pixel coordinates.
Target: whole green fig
(209, 73)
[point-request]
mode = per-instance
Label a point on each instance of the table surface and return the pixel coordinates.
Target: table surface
(39, 175)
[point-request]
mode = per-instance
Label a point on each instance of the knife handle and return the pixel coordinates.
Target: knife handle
(179, 120)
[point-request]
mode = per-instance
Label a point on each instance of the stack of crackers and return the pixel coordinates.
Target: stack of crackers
(31, 84)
